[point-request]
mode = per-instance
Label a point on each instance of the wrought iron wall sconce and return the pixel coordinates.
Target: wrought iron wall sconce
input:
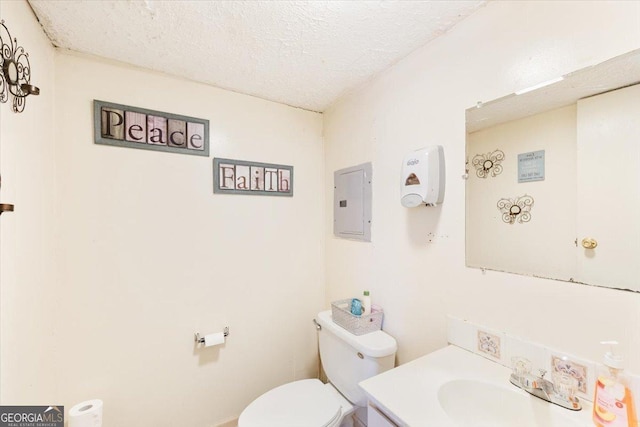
(516, 210)
(16, 71)
(6, 207)
(488, 163)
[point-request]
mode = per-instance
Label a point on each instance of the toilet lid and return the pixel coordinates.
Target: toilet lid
(306, 403)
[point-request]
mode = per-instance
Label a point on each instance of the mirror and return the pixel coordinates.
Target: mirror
(553, 187)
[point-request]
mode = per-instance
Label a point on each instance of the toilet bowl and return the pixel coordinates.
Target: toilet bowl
(347, 359)
(308, 403)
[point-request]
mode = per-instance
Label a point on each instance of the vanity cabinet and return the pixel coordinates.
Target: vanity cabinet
(377, 418)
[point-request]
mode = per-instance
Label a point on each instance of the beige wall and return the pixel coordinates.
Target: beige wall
(29, 296)
(115, 257)
(148, 255)
(415, 264)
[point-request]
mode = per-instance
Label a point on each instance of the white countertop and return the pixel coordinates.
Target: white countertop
(409, 393)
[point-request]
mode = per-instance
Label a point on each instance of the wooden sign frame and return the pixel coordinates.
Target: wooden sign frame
(133, 127)
(252, 178)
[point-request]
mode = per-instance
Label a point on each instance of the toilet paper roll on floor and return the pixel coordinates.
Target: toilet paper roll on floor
(86, 414)
(214, 339)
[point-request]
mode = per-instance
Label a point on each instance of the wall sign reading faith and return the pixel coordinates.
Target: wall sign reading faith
(124, 126)
(240, 177)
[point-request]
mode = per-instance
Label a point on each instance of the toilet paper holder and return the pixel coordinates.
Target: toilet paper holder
(200, 340)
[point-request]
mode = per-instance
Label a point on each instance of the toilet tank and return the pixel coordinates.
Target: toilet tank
(348, 359)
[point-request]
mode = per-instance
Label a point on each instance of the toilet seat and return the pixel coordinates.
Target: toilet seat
(306, 403)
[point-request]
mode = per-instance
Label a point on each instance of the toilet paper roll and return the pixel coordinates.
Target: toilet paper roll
(214, 339)
(86, 414)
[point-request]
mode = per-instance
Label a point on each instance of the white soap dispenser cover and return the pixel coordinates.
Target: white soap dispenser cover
(422, 180)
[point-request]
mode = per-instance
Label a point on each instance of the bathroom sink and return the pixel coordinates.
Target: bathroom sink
(453, 387)
(472, 403)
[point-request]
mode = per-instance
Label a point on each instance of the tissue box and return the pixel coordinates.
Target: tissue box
(357, 325)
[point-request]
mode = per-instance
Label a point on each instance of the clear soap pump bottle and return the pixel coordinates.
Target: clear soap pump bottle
(613, 404)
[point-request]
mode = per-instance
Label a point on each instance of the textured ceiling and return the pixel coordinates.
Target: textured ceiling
(301, 53)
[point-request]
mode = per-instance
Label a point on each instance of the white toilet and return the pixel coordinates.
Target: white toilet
(347, 359)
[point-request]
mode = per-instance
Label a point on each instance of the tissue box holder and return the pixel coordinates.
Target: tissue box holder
(357, 325)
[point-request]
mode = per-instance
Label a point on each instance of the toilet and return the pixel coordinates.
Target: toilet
(347, 359)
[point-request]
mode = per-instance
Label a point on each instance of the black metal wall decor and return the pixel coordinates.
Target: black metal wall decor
(15, 78)
(489, 163)
(518, 209)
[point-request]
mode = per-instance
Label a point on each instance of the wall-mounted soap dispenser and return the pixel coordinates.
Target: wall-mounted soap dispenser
(422, 180)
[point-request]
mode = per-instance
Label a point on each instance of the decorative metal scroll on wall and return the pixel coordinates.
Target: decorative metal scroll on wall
(488, 164)
(15, 75)
(518, 209)
(133, 127)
